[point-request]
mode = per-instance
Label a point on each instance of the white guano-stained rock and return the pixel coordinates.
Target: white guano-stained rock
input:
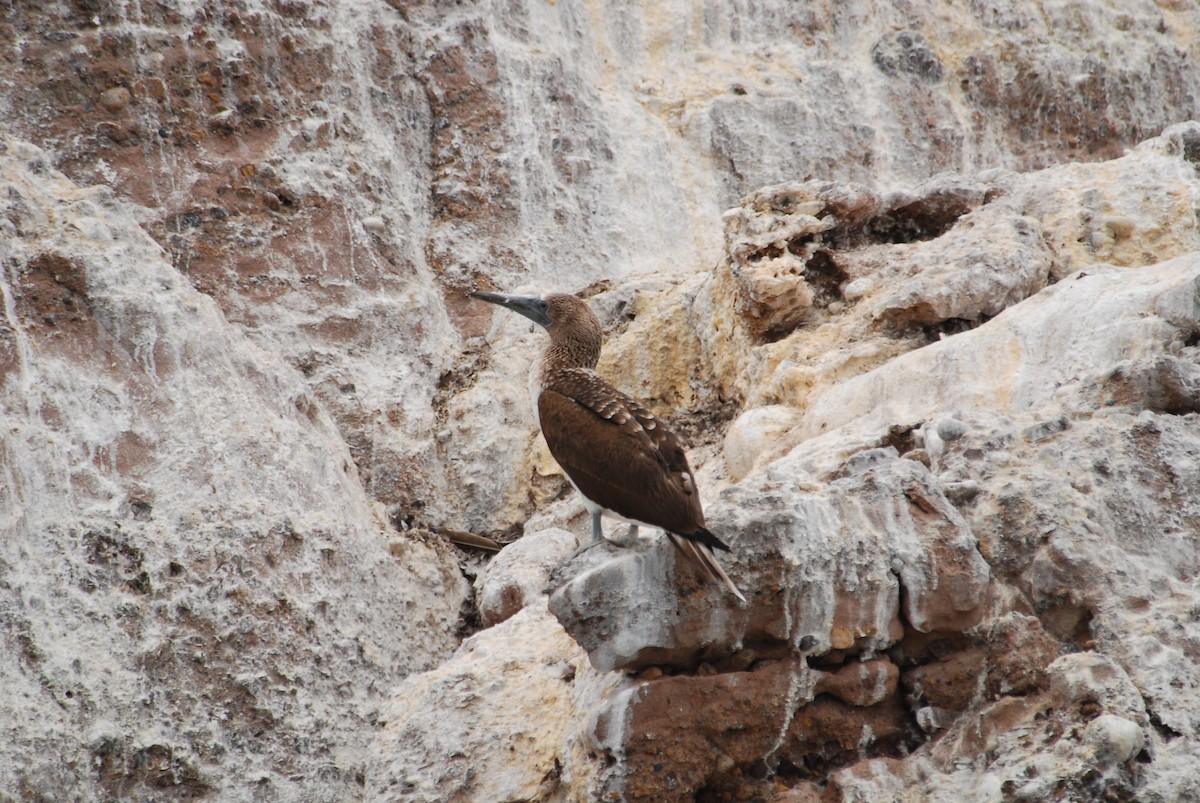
(198, 594)
(825, 567)
(240, 377)
(517, 576)
(1088, 326)
(504, 718)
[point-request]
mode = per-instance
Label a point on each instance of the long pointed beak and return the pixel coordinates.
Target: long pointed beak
(531, 307)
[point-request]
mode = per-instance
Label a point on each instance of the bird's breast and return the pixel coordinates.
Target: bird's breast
(537, 375)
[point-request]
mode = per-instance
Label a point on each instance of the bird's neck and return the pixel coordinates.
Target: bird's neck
(571, 353)
(559, 355)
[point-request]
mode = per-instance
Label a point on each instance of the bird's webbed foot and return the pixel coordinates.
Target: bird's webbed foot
(626, 540)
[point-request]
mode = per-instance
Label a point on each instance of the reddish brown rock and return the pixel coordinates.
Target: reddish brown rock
(950, 684)
(636, 607)
(861, 683)
(1018, 653)
(676, 736)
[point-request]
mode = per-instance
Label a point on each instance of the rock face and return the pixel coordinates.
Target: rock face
(963, 553)
(534, 742)
(904, 277)
(830, 569)
(196, 585)
(334, 174)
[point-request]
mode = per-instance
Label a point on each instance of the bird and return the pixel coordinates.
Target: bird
(623, 461)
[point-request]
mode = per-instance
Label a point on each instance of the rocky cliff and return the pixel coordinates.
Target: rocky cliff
(919, 284)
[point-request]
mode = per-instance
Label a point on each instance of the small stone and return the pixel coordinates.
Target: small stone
(861, 683)
(517, 575)
(375, 224)
(1046, 429)
(959, 492)
(116, 99)
(1098, 239)
(840, 638)
(118, 134)
(951, 429)
(1114, 739)
(153, 88)
(931, 719)
(857, 289)
(918, 456)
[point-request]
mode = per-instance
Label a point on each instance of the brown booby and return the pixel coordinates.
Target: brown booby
(624, 462)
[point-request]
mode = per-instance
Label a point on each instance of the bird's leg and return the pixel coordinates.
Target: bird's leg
(628, 539)
(598, 537)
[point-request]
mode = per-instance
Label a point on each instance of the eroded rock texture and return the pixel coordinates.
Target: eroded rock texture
(902, 276)
(967, 533)
(199, 600)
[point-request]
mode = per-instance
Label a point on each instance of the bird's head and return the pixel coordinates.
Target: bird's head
(565, 317)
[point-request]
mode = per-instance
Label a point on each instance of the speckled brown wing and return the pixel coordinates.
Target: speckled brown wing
(618, 454)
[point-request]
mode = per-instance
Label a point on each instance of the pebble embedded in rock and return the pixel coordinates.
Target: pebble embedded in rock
(116, 99)
(1115, 739)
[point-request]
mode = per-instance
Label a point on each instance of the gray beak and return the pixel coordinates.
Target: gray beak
(531, 307)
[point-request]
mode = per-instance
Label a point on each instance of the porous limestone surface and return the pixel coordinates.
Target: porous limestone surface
(197, 591)
(902, 275)
(505, 718)
(337, 174)
(1113, 330)
(963, 508)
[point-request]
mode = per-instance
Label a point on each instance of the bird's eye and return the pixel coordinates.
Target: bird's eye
(543, 306)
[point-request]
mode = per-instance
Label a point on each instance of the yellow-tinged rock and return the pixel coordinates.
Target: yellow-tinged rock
(841, 638)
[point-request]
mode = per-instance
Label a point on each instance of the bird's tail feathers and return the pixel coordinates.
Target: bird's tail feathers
(701, 554)
(705, 536)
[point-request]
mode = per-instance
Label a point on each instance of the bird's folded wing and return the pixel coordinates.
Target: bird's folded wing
(617, 453)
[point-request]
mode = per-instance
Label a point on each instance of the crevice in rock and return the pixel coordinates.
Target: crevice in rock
(827, 735)
(1068, 618)
(902, 437)
(541, 490)
(406, 515)
(793, 268)
(825, 277)
(921, 320)
(705, 425)
(470, 620)
(776, 333)
(925, 218)
(774, 250)
(1164, 730)
(934, 332)
(458, 379)
(1190, 140)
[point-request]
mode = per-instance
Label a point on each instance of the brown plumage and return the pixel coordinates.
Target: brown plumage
(618, 455)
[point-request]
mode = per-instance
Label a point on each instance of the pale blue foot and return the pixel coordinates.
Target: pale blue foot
(598, 538)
